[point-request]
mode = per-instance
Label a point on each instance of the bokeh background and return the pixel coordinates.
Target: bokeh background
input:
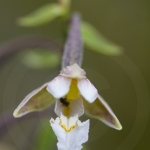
(123, 81)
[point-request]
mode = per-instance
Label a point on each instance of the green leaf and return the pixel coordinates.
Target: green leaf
(41, 59)
(46, 139)
(96, 42)
(43, 15)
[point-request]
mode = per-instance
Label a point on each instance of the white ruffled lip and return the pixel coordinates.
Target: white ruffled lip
(73, 139)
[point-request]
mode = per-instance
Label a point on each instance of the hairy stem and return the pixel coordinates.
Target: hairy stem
(73, 49)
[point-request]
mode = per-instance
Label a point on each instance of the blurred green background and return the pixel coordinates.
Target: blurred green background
(123, 80)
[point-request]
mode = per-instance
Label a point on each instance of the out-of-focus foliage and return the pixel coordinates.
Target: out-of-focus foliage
(91, 36)
(46, 139)
(41, 59)
(96, 42)
(85, 148)
(5, 146)
(43, 15)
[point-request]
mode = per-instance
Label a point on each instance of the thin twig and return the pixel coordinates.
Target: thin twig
(8, 49)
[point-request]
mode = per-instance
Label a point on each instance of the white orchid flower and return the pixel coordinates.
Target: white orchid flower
(72, 90)
(70, 87)
(73, 93)
(71, 84)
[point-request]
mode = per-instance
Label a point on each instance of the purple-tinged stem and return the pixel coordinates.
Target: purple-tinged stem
(73, 49)
(9, 49)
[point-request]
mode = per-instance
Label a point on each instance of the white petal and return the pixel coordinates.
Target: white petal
(72, 140)
(59, 86)
(78, 136)
(75, 107)
(87, 90)
(59, 132)
(73, 71)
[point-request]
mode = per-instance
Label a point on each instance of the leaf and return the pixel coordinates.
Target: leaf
(46, 139)
(95, 41)
(41, 59)
(42, 15)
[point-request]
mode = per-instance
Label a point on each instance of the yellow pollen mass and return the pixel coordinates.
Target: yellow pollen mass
(73, 92)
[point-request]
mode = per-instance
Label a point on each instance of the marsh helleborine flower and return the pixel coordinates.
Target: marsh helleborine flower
(73, 93)
(71, 89)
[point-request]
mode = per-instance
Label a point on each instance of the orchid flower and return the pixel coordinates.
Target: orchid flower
(73, 93)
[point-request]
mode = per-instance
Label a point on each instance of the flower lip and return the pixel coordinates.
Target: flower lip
(72, 139)
(73, 71)
(70, 123)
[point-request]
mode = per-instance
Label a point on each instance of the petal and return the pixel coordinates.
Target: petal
(59, 132)
(78, 136)
(74, 107)
(59, 86)
(37, 100)
(100, 110)
(73, 71)
(72, 140)
(87, 90)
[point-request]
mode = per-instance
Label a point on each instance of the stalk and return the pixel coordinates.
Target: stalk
(73, 50)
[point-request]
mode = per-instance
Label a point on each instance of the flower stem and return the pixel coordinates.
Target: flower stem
(73, 49)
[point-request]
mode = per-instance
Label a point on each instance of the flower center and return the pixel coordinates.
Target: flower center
(73, 92)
